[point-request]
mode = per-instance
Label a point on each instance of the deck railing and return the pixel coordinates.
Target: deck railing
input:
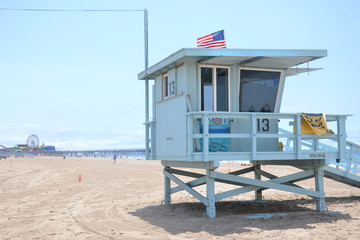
(352, 163)
(261, 136)
(149, 139)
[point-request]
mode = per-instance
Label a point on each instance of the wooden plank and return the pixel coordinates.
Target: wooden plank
(202, 179)
(271, 184)
(185, 173)
(193, 164)
(271, 176)
(192, 184)
(194, 193)
(242, 171)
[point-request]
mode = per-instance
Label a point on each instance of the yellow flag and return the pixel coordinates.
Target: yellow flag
(314, 124)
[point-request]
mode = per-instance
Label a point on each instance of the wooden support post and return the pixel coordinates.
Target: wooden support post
(210, 194)
(319, 184)
(167, 188)
(258, 193)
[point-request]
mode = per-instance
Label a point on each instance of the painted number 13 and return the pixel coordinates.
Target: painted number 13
(263, 125)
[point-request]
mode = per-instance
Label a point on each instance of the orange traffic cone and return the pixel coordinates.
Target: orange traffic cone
(80, 178)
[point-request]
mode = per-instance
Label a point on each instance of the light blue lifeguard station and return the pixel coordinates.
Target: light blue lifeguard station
(215, 105)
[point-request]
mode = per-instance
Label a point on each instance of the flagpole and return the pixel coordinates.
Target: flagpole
(146, 38)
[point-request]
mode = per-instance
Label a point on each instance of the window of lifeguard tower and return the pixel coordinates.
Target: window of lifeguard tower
(165, 82)
(214, 89)
(168, 86)
(258, 90)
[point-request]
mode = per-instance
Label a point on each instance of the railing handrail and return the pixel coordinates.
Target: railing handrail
(357, 146)
(262, 113)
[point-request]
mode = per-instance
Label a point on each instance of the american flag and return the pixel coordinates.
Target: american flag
(213, 40)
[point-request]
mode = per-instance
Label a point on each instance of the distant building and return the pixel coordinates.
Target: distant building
(48, 148)
(21, 146)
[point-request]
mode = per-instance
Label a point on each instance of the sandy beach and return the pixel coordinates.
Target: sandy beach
(42, 198)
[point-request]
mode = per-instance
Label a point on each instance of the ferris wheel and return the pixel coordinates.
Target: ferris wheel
(33, 140)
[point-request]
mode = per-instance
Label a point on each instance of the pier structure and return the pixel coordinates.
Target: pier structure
(121, 153)
(135, 153)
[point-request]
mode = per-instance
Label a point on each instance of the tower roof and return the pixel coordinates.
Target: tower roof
(263, 58)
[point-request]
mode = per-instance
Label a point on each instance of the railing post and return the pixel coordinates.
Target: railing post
(341, 135)
(315, 145)
(349, 161)
(253, 137)
(147, 141)
(206, 137)
(298, 136)
(190, 134)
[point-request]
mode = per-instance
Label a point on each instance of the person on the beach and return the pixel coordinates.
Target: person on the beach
(114, 159)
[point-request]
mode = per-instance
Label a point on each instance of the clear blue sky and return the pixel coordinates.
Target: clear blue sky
(71, 77)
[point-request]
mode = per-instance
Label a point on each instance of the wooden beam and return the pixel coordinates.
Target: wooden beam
(192, 184)
(194, 193)
(273, 184)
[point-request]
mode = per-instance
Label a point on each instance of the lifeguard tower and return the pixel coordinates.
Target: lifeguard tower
(214, 105)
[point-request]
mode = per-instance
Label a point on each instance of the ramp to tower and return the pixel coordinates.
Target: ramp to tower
(341, 175)
(345, 170)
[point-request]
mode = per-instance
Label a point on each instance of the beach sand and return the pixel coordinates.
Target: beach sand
(42, 198)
